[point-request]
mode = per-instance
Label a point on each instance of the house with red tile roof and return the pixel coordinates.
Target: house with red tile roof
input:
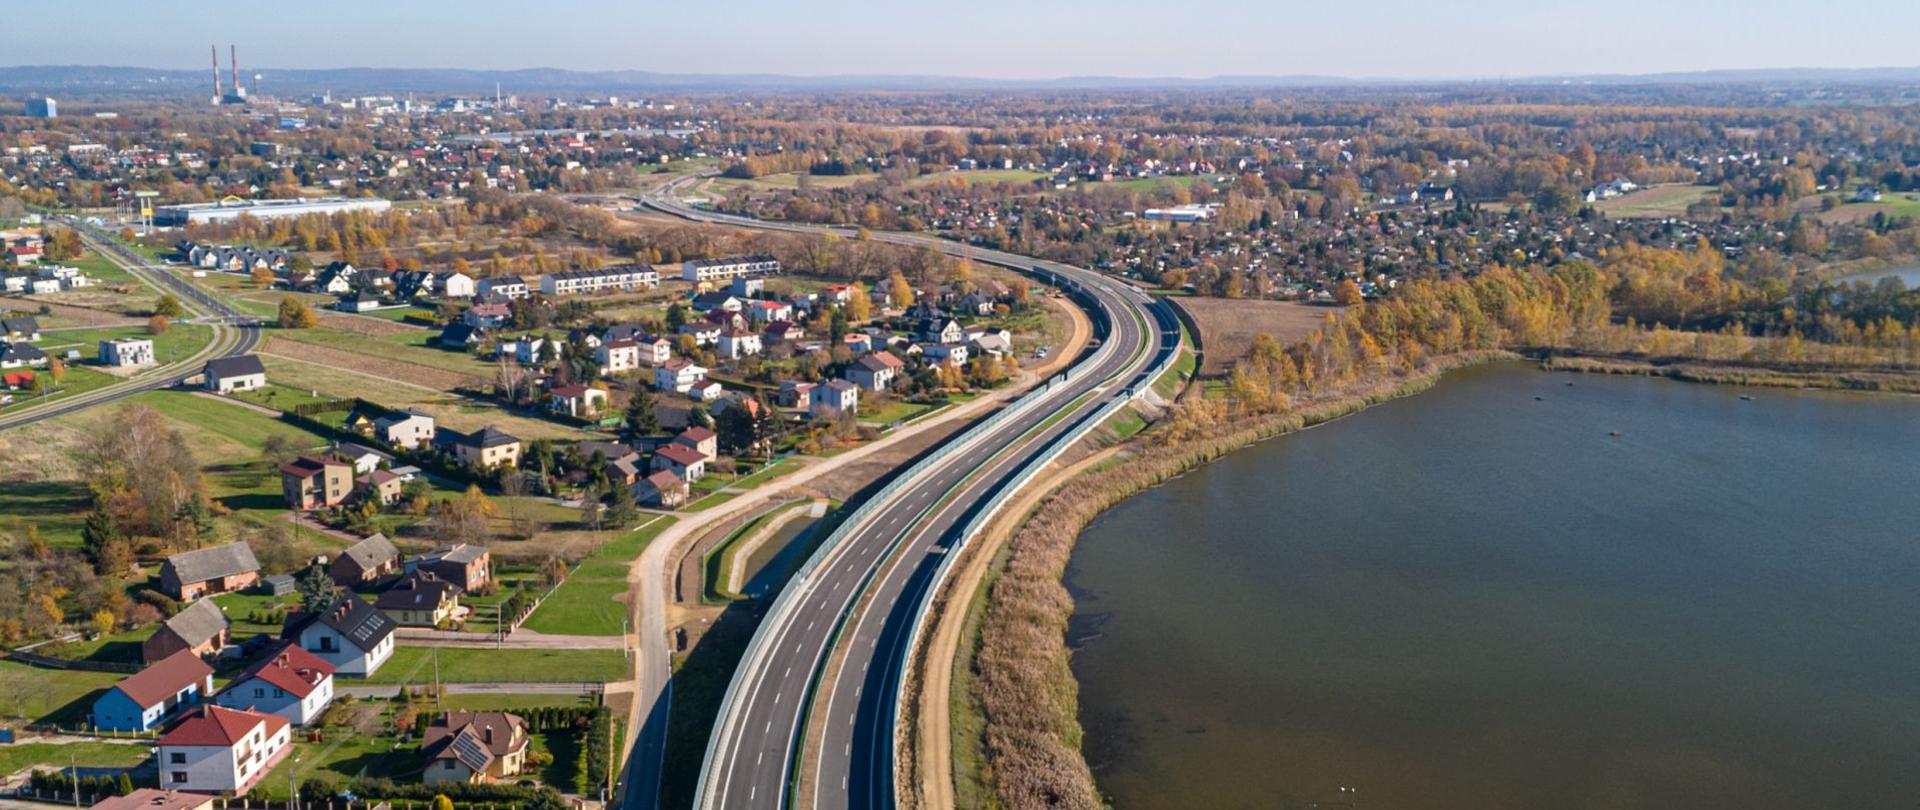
(221, 750)
(144, 699)
(287, 681)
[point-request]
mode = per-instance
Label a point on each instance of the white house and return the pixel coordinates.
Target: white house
(617, 356)
(686, 463)
(678, 375)
(127, 352)
(229, 374)
(729, 267)
(833, 400)
(706, 391)
(953, 354)
(350, 634)
(736, 343)
(626, 277)
(579, 401)
(221, 750)
(287, 681)
(454, 284)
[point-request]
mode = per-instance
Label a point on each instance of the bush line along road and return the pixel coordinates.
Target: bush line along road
(864, 592)
(234, 333)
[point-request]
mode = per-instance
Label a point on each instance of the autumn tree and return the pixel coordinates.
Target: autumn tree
(1347, 293)
(262, 277)
(168, 306)
(295, 314)
(859, 307)
(157, 325)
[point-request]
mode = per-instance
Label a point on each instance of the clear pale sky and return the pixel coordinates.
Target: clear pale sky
(986, 38)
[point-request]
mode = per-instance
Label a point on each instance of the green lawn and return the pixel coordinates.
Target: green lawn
(585, 604)
(179, 343)
(414, 665)
(241, 425)
(895, 411)
(513, 702)
(717, 565)
(79, 380)
(45, 695)
(281, 397)
(82, 754)
(410, 347)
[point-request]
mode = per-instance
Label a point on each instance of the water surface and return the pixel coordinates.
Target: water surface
(1479, 599)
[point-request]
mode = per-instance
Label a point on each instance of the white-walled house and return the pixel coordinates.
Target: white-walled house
(221, 750)
(406, 429)
(127, 352)
(678, 375)
(833, 400)
(874, 371)
(351, 635)
(229, 374)
(288, 682)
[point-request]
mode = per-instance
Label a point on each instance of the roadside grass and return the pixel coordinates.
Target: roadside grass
(588, 603)
(236, 424)
(79, 380)
(415, 665)
(895, 411)
(717, 564)
(514, 701)
(82, 754)
(1127, 423)
(966, 718)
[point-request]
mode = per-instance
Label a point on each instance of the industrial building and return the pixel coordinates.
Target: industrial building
(231, 209)
(43, 107)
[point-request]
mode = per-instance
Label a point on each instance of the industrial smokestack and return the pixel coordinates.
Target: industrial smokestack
(233, 56)
(215, 50)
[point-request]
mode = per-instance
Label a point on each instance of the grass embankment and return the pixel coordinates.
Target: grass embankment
(415, 665)
(1028, 723)
(718, 563)
(589, 602)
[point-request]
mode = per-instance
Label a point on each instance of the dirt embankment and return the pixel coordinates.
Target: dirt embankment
(1229, 325)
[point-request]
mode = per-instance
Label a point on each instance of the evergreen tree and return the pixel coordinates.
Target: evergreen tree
(641, 420)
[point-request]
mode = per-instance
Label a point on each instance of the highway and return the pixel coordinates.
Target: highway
(234, 333)
(858, 602)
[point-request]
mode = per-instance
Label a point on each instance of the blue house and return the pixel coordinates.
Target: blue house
(144, 699)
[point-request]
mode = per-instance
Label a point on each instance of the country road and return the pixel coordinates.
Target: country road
(856, 605)
(233, 334)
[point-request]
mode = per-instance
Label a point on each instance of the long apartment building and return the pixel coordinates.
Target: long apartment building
(729, 267)
(626, 278)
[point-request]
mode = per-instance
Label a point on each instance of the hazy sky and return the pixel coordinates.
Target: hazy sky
(989, 38)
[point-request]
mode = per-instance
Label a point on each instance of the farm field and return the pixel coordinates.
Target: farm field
(409, 346)
(1228, 326)
(179, 343)
(1665, 200)
(368, 356)
(587, 603)
(450, 410)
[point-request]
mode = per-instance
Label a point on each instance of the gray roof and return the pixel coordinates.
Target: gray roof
(372, 552)
(198, 623)
(461, 553)
(353, 619)
(212, 563)
(235, 366)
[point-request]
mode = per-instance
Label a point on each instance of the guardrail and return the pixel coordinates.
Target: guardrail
(790, 596)
(992, 509)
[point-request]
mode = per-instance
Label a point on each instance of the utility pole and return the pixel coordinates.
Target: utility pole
(436, 678)
(73, 769)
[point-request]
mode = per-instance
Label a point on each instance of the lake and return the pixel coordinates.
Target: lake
(1474, 598)
(1909, 275)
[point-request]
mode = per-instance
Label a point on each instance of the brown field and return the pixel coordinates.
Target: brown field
(1665, 200)
(380, 367)
(450, 410)
(363, 325)
(1228, 326)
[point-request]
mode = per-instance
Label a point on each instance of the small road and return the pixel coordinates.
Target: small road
(234, 333)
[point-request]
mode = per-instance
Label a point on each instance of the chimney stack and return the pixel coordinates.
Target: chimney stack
(215, 50)
(233, 57)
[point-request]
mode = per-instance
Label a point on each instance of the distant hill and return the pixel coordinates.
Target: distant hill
(86, 79)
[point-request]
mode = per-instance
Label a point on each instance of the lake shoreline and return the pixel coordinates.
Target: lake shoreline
(1035, 570)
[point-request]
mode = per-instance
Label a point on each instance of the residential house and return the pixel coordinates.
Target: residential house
(578, 401)
(363, 458)
(383, 486)
(729, 267)
(143, 700)
(662, 489)
(21, 354)
(710, 302)
(706, 391)
(406, 429)
(747, 286)
(24, 327)
(736, 343)
(704, 333)
(487, 315)
(936, 330)
(834, 399)
(308, 482)
(487, 447)
(216, 569)
(468, 566)
(221, 750)
(794, 394)
(229, 374)
(953, 354)
(508, 287)
(474, 747)
(526, 350)
(764, 312)
(875, 371)
(459, 335)
(454, 284)
(678, 375)
(151, 799)
(349, 634)
(127, 352)
(357, 302)
(287, 681)
(617, 357)
(623, 278)
(420, 599)
(684, 462)
(199, 628)
(702, 440)
(338, 278)
(785, 331)
(366, 561)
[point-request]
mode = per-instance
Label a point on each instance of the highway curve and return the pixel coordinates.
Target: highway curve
(234, 334)
(863, 593)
